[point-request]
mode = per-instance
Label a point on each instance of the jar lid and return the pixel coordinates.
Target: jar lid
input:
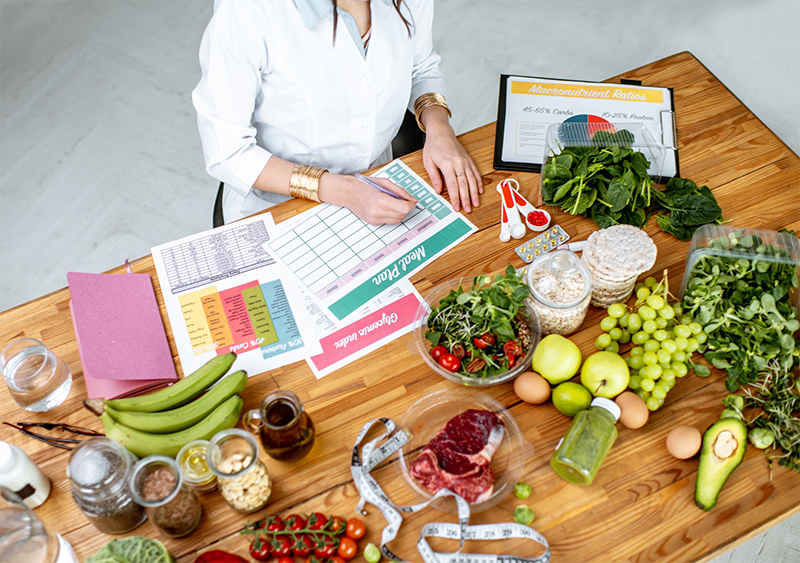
(559, 280)
(7, 457)
(608, 405)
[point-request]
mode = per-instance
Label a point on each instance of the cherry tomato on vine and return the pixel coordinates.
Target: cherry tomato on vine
(335, 559)
(450, 362)
(295, 522)
(276, 524)
(303, 546)
(286, 559)
(261, 550)
(317, 521)
(337, 523)
(355, 529)
(347, 548)
(282, 546)
(327, 548)
(438, 351)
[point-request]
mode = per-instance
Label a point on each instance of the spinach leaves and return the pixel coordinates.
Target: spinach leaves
(610, 184)
(744, 304)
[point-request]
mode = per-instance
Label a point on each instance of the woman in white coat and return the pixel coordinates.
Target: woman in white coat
(297, 95)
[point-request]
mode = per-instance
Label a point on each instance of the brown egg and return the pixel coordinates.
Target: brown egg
(684, 441)
(532, 387)
(634, 410)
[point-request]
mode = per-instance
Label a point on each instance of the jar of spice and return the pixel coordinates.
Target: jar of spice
(194, 469)
(561, 288)
(583, 448)
(19, 474)
(171, 505)
(98, 470)
(243, 481)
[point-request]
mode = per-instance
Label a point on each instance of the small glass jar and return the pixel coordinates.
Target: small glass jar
(171, 505)
(243, 480)
(98, 470)
(194, 468)
(561, 288)
(21, 475)
(583, 448)
(283, 425)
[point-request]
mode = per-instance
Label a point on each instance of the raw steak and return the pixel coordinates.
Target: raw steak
(459, 457)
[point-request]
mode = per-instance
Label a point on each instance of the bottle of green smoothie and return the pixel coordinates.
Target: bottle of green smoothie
(583, 448)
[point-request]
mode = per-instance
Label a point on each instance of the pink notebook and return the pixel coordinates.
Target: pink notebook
(121, 339)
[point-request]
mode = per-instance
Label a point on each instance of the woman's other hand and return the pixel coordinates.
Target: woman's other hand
(368, 204)
(447, 162)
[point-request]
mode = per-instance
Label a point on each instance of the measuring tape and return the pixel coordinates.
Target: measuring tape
(371, 454)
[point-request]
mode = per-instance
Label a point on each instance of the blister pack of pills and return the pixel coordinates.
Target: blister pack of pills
(541, 244)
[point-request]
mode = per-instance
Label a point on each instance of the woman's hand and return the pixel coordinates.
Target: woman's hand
(447, 162)
(368, 204)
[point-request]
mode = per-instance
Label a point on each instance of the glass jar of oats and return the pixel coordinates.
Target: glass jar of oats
(561, 288)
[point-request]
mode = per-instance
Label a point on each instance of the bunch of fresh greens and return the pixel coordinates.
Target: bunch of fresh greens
(134, 549)
(609, 182)
(491, 307)
(744, 305)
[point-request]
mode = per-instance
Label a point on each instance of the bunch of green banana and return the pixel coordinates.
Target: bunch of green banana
(164, 421)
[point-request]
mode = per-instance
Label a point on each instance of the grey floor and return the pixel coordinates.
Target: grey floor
(100, 158)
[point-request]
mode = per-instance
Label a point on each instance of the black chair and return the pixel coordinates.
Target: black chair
(408, 139)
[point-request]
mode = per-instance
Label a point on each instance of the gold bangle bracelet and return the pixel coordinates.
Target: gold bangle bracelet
(304, 182)
(427, 100)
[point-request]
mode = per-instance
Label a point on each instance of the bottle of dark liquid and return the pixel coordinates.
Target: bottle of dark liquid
(283, 425)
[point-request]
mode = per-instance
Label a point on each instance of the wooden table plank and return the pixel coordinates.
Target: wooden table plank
(642, 494)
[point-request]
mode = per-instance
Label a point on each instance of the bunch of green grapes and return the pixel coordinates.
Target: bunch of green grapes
(663, 340)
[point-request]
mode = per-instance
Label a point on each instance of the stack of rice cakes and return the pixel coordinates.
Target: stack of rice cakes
(616, 256)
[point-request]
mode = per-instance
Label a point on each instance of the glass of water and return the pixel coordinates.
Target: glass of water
(37, 379)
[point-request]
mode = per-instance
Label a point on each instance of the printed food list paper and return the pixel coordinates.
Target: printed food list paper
(224, 292)
(344, 263)
(530, 105)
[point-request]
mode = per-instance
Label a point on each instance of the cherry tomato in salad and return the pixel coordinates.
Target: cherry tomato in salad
(295, 522)
(261, 550)
(303, 546)
(512, 360)
(512, 347)
(282, 546)
(347, 548)
(450, 362)
(483, 341)
(337, 523)
(438, 351)
(317, 521)
(355, 529)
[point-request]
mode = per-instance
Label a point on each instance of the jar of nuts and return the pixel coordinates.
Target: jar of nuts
(232, 456)
(561, 288)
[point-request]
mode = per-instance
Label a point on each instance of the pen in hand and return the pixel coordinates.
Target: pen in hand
(377, 186)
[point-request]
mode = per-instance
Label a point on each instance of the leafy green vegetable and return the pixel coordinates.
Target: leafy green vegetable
(491, 306)
(609, 183)
(134, 549)
(744, 305)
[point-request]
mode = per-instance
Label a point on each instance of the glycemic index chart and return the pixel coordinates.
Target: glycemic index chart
(344, 262)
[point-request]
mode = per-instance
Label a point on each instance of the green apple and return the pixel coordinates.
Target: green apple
(556, 358)
(605, 374)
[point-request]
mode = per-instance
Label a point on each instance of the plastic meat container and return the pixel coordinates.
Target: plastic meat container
(732, 242)
(569, 134)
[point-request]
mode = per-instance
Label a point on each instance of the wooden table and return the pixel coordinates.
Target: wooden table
(639, 508)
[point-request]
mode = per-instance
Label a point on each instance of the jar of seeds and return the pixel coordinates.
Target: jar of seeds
(98, 470)
(232, 456)
(560, 287)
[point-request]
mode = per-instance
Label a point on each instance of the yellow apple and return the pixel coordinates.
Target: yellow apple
(556, 358)
(605, 374)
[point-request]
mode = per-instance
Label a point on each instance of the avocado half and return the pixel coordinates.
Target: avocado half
(724, 445)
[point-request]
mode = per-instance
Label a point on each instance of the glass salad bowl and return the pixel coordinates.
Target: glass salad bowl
(424, 346)
(426, 417)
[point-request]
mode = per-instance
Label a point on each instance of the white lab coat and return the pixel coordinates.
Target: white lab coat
(274, 83)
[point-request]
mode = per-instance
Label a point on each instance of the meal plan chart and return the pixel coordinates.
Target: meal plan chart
(344, 262)
(224, 293)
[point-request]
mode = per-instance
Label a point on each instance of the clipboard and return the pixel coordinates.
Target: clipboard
(528, 105)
